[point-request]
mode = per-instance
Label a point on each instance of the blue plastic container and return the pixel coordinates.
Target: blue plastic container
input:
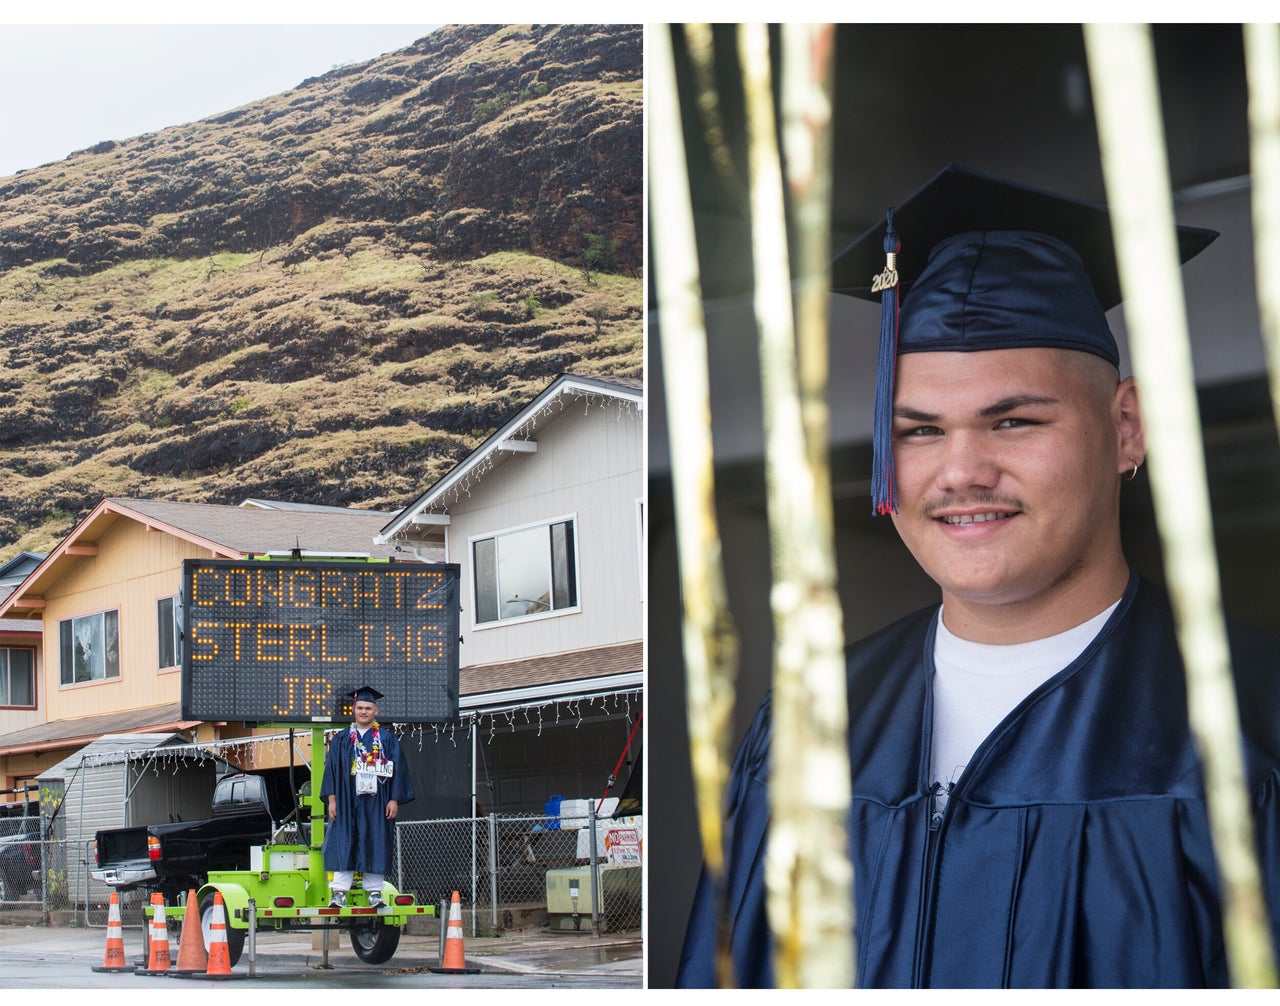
(553, 812)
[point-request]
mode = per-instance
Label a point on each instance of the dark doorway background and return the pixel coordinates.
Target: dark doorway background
(1014, 101)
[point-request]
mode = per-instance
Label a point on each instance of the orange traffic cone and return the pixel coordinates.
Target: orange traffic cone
(455, 961)
(219, 969)
(113, 959)
(192, 957)
(158, 961)
(219, 955)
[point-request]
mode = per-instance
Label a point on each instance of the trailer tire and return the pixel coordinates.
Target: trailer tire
(235, 937)
(374, 942)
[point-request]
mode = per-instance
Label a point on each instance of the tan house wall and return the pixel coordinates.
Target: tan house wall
(23, 767)
(17, 718)
(133, 569)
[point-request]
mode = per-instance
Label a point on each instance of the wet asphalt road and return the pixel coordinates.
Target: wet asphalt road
(58, 958)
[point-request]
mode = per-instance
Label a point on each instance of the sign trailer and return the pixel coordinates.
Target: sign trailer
(286, 642)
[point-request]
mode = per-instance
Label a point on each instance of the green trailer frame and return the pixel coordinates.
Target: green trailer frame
(290, 890)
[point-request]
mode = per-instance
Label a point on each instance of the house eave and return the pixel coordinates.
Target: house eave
(508, 698)
(504, 435)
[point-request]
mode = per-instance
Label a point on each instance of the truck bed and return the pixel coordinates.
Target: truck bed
(188, 850)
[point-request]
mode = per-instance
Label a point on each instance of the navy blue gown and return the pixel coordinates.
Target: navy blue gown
(1075, 848)
(360, 838)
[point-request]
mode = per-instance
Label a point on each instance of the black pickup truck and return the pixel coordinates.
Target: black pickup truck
(248, 809)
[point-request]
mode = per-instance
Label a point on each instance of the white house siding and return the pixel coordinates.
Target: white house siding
(588, 465)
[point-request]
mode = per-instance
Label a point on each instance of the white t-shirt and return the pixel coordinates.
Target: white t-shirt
(976, 685)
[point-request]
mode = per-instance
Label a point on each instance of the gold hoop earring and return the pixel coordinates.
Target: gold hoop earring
(1133, 474)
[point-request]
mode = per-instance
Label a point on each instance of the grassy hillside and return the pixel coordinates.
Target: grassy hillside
(331, 295)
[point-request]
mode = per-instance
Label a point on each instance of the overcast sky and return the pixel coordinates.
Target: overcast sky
(64, 87)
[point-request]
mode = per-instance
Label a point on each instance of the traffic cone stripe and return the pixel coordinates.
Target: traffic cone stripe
(113, 959)
(219, 955)
(158, 961)
(455, 961)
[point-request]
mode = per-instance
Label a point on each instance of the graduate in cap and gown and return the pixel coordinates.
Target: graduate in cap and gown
(1027, 806)
(365, 783)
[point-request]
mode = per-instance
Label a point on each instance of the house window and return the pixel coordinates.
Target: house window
(169, 631)
(17, 677)
(525, 572)
(90, 647)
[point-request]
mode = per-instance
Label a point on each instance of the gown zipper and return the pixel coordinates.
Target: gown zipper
(924, 929)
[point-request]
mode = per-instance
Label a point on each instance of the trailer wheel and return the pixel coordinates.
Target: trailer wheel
(374, 942)
(235, 937)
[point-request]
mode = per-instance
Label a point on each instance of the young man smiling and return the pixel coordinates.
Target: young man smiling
(1008, 466)
(365, 782)
(1027, 804)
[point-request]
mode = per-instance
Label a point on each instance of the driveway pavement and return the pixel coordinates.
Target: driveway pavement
(58, 957)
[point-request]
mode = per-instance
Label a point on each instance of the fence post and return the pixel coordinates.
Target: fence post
(474, 894)
(45, 891)
(595, 872)
(89, 861)
(493, 872)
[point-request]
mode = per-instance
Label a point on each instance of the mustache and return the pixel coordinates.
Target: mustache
(931, 507)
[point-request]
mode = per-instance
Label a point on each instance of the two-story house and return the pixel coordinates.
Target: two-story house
(104, 610)
(546, 520)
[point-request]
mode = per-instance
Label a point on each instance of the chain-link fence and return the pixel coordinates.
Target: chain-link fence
(34, 879)
(511, 874)
(515, 873)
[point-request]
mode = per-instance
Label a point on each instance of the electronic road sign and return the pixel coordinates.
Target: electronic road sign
(287, 641)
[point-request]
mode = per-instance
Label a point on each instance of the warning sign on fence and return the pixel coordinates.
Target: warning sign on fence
(622, 845)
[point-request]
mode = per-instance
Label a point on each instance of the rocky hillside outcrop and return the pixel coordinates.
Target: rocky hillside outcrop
(331, 294)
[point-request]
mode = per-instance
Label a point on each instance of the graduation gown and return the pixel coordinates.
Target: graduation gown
(1074, 850)
(360, 838)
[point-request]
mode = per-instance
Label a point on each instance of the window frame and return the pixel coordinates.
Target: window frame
(175, 615)
(6, 669)
(63, 681)
(573, 570)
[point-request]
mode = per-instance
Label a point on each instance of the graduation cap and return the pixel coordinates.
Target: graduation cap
(365, 694)
(974, 263)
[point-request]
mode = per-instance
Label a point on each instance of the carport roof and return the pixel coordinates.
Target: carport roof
(114, 747)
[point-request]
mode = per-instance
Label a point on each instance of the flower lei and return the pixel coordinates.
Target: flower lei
(366, 756)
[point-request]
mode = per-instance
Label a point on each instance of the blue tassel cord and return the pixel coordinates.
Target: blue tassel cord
(883, 493)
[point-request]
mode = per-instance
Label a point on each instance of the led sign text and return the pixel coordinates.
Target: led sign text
(284, 642)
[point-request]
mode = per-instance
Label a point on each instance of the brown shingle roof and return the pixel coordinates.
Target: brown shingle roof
(256, 530)
(554, 668)
(64, 733)
(229, 532)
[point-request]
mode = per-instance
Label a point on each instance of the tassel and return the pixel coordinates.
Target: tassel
(883, 496)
